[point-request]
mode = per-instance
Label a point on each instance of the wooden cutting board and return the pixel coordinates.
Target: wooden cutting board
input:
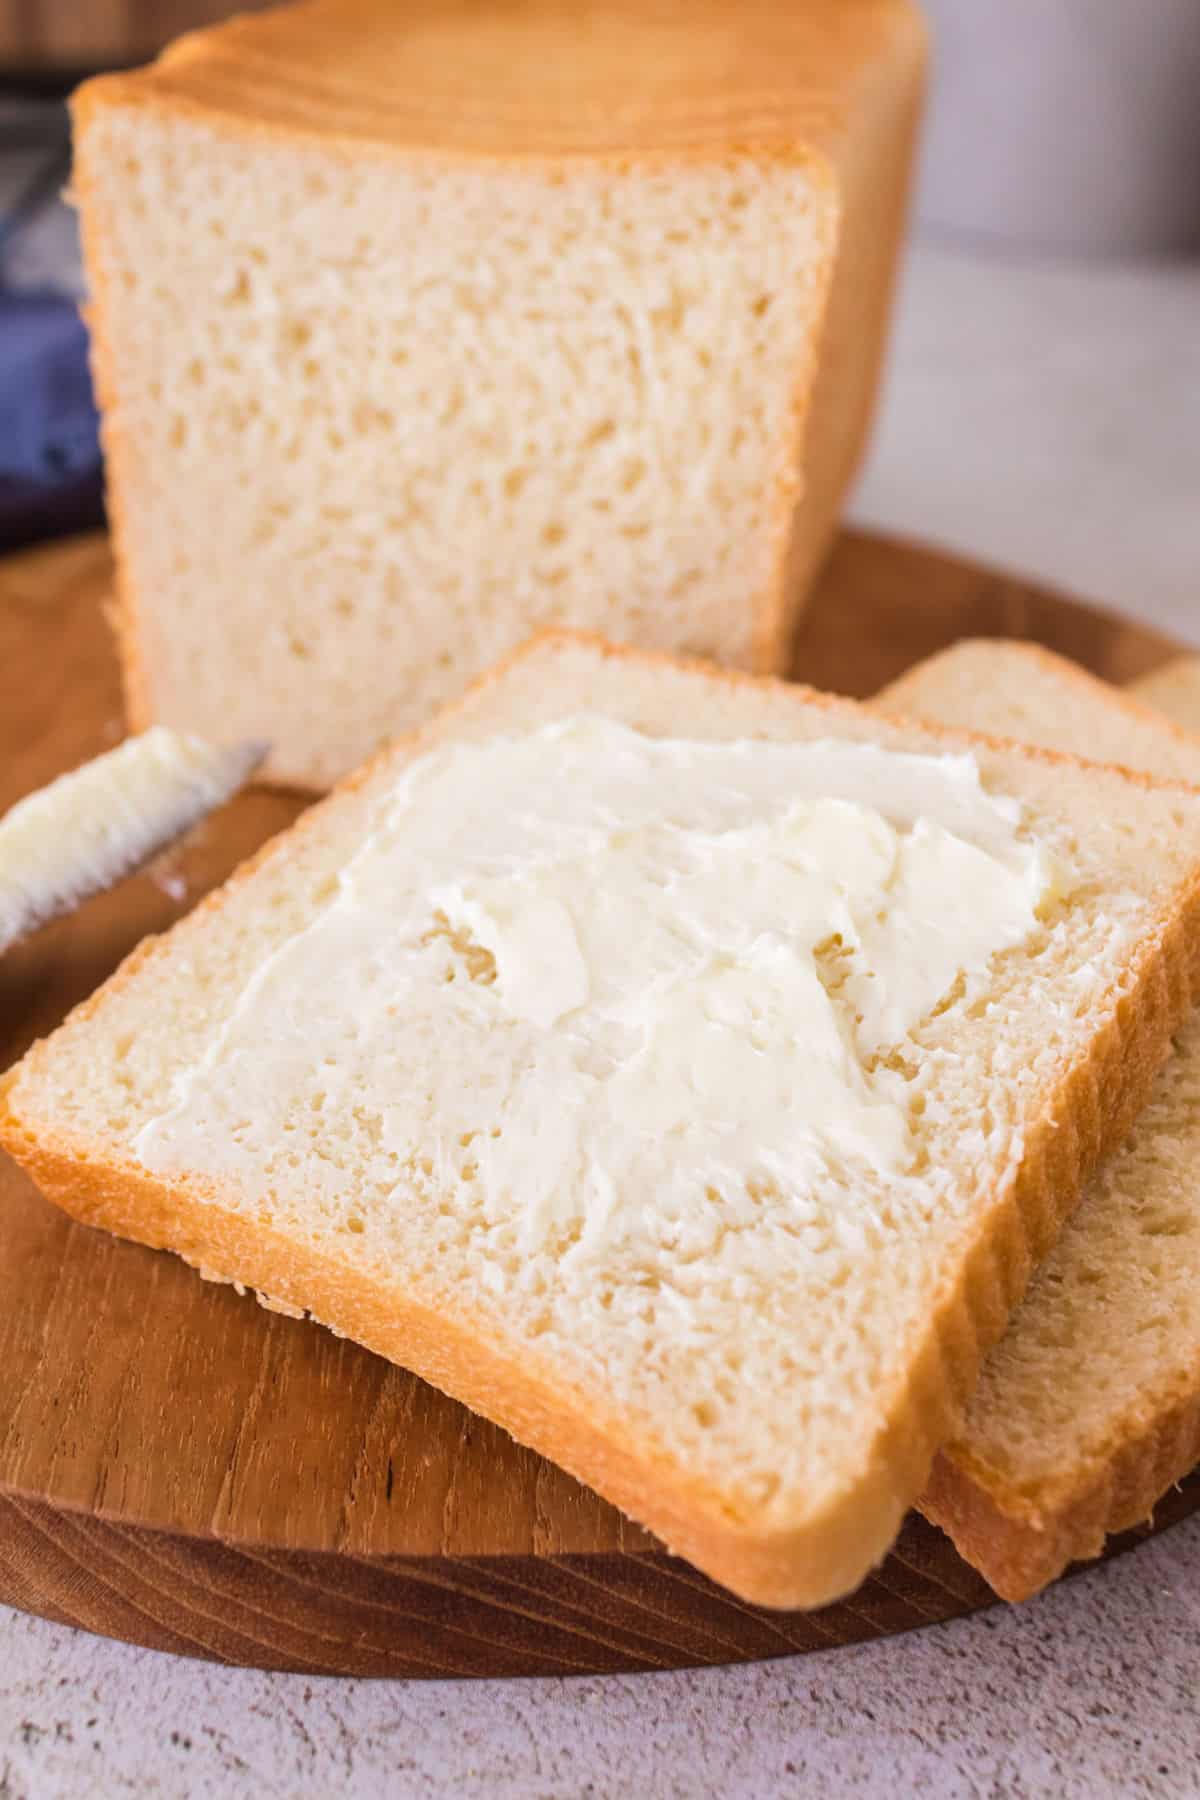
(184, 1470)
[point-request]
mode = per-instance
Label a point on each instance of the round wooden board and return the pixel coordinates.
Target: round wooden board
(184, 1470)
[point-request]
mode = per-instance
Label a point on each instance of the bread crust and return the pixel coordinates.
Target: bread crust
(818, 1557)
(1020, 1546)
(348, 73)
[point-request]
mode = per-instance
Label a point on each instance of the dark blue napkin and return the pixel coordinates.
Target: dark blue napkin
(50, 471)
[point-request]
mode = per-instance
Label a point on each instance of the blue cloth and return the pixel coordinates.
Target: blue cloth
(50, 468)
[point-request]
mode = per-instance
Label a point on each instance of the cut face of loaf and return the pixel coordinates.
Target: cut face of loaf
(419, 328)
(1089, 1408)
(760, 1374)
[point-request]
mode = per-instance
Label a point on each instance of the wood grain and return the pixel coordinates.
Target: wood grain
(77, 35)
(182, 1469)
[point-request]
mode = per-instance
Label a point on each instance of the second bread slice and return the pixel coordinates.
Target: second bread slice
(1089, 1408)
(396, 1099)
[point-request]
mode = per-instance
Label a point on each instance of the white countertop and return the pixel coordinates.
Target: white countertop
(1049, 421)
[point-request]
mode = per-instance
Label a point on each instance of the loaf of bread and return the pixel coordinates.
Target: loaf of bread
(1089, 1408)
(684, 1070)
(417, 327)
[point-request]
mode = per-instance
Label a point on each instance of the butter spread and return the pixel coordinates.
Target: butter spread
(85, 830)
(587, 971)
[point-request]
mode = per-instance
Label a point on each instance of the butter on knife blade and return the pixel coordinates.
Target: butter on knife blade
(105, 819)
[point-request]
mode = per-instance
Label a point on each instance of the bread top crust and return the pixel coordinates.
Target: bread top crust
(622, 82)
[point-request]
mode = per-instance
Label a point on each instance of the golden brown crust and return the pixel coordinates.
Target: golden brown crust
(817, 1558)
(798, 1567)
(1021, 1546)
(635, 82)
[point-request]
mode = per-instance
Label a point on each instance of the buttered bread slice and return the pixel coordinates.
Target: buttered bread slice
(420, 326)
(684, 1070)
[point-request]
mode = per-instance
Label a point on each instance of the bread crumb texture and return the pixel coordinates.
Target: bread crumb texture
(390, 381)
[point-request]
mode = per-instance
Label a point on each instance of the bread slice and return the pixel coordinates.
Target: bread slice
(1021, 691)
(419, 326)
(755, 1354)
(1089, 1408)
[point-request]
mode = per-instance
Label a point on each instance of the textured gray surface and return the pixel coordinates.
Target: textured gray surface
(1089, 1691)
(1047, 419)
